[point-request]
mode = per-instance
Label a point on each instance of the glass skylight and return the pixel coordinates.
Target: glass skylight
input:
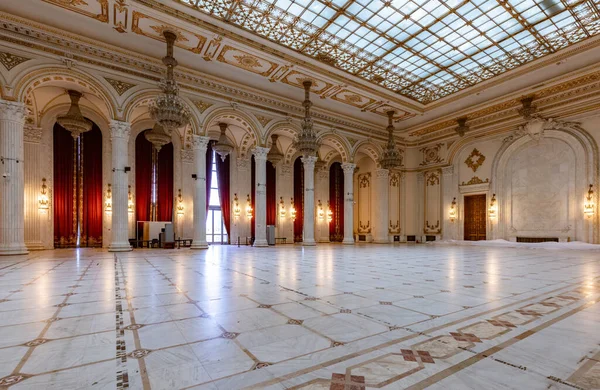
(422, 49)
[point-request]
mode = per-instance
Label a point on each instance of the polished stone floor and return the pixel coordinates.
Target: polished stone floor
(330, 317)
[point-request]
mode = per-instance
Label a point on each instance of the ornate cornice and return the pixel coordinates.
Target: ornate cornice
(9, 60)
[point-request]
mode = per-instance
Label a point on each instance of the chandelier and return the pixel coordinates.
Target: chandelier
(307, 142)
(462, 126)
(73, 120)
(223, 146)
(274, 154)
(167, 109)
(157, 137)
(391, 155)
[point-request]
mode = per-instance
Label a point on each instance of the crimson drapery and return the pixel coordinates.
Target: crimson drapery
(209, 162)
(224, 195)
(143, 177)
(253, 195)
(336, 202)
(91, 219)
(164, 199)
(271, 194)
(65, 225)
(298, 199)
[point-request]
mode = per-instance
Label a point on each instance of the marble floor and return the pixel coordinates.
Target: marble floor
(286, 317)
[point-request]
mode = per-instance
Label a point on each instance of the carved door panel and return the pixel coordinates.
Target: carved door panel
(475, 217)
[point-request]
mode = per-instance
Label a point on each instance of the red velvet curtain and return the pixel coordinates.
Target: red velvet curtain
(93, 210)
(209, 162)
(253, 195)
(336, 202)
(224, 195)
(65, 223)
(143, 177)
(298, 199)
(271, 194)
(164, 200)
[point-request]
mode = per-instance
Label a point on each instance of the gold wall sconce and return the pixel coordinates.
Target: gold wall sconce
(237, 211)
(43, 201)
(452, 213)
(492, 210)
(588, 206)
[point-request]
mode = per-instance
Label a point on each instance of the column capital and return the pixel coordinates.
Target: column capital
(309, 162)
(449, 170)
(120, 129)
(12, 111)
(348, 168)
(199, 142)
(382, 173)
(260, 153)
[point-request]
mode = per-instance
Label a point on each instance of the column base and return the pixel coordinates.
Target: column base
(348, 242)
(199, 245)
(309, 243)
(119, 247)
(13, 250)
(260, 243)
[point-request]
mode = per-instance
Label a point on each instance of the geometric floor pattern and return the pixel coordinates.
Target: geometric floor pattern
(287, 317)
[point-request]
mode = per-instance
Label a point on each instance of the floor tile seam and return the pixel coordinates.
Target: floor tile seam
(587, 364)
(49, 340)
(401, 340)
(36, 278)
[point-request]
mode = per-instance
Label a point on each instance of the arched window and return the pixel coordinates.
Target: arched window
(215, 225)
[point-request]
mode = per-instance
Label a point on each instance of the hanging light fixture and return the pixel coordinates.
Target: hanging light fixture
(492, 209)
(223, 146)
(180, 207)
(293, 211)
(391, 154)
(168, 110)
(129, 200)
(307, 142)
(462, 126)
(237, 211)
(274, 155)
(281, 208)
(157, 137)
(248, 208)
(329, 213)
(108, 203)
(588, 206)
(73, 120)
(452, 213)
(43, 201)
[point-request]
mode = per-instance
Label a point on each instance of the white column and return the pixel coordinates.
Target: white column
(12, 188)
(381, 217)
(199, 145)
(308, 238)
(348, 202)
(260, 204)
(119, 136)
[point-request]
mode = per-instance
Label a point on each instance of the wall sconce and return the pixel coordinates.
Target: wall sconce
(237, 211)
(129, 201)
(108, 202)
(588, 206)
(452, 213)
(329, 213)
(180, 207)
(281, 207)
(248, 207)
(320, 211)
(492, 209)
(43, 201)
(293, 210)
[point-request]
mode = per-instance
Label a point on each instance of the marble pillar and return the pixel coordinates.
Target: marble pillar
(199, 144)
(119, 136)
(308, 238)
(12, 186)
(381, 217)
(348, 203)
(260, 204)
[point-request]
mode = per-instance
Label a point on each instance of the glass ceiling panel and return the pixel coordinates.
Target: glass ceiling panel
(422, 49)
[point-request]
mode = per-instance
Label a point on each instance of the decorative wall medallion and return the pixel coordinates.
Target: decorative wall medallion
(383, 110)
(394, 179)
(364, 181)
(202, 106)
(11, 60)
(475, 180)
(475, 160)
(432, 178)
(431, 154)
(95, 9)
(153, 28)
(120, 86)
(246, 61)
(296, 79)
(263, 120)
(352, 98)
(366, 228)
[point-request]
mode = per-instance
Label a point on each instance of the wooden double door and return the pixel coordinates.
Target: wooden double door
(475, 217)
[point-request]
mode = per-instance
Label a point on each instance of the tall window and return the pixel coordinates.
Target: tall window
(215, 226)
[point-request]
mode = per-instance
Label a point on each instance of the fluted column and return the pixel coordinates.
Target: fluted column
(119, 136)
(308, 238)
(12, 187)
(382, 216)
(260, 204)
(199, 144)
(348, 203)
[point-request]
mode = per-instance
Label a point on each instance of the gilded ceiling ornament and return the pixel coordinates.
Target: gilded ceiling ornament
(263, 120)
(11, 60)
(352, 141)
(475, 180)
(202, 106)
(120, 86)
(475, 160)
(162, 28)
(248, 62)
(431, 154)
